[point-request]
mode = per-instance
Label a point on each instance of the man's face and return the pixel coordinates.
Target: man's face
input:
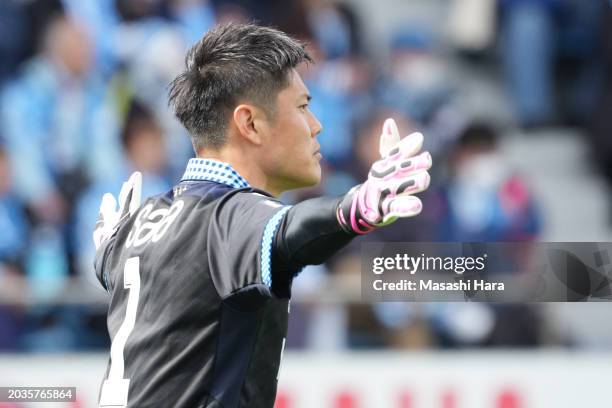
(291, 149)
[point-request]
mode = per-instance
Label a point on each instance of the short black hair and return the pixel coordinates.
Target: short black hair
(232, 62)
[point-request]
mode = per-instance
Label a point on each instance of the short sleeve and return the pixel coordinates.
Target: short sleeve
(240, 241)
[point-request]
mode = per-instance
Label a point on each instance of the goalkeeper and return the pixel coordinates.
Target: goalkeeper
(200, 277)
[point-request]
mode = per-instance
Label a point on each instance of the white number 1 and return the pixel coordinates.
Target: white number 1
(115, 388)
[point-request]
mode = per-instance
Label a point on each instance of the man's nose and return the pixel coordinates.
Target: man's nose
(315, 126)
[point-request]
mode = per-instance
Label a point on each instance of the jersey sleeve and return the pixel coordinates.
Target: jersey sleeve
(240, 242)
(257, 241)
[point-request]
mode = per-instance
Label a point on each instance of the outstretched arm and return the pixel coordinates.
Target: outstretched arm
(313, 230)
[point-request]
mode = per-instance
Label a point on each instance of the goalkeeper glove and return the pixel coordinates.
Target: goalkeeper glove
(110, 217)
(387, 193)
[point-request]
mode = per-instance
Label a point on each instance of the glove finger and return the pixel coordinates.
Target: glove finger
(415, 164)
(389, 138)
(108, 208)
(387, 170)
(99, 236)
(402, 207)
(106, 219)
(123, 195)
(136, 181)
(125, 207)
(407, 147)
(129, 197)
(412, 184)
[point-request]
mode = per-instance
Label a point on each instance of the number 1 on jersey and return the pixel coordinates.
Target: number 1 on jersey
(115, 388)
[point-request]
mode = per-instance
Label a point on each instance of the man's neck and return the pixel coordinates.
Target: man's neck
(244, 166)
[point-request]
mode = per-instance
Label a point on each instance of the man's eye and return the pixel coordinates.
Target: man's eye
(304, 107)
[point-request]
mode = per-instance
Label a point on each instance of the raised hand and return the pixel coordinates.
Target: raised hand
(110, 216)
(387, 194)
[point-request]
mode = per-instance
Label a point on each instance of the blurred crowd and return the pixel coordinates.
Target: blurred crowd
(83, 103)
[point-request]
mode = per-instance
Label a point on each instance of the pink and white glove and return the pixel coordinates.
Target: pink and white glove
(387, 193)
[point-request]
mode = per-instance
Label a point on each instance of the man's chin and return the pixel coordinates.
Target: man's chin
(310, 180)
(315, 177)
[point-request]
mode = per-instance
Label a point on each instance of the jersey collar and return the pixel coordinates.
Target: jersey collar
(213, 170)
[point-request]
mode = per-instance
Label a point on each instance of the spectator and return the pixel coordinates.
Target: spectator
(484, 200)
(194, 17)
(13, 222)
(58, 123)
(13, 37)
(601, 125)
(330, 27)
(13, 249)
(102, 21)
(540, 40)
(528, 42)
(414, 81)
(145, 151)
(152, 49)
(339, 90)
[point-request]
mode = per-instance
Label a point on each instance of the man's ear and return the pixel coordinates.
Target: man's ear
(248, 121)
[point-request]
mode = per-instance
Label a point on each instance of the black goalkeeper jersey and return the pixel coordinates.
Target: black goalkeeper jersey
(192, 319)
